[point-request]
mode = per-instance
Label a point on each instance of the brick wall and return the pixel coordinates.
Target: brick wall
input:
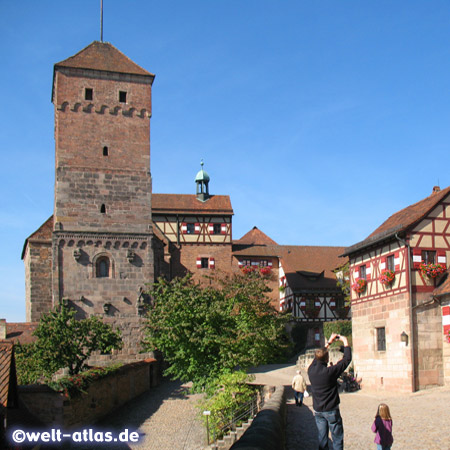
(102, 397)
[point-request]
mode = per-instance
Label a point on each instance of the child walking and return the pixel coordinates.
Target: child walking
(382, 426)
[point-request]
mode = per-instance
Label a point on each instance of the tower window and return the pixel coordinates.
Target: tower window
(103, 209)
(217, 228)
(105, 151)
(102, 267)
(204, 263)
(122, 96)
(88, 94)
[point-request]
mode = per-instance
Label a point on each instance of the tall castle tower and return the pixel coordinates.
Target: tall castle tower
(102, 236)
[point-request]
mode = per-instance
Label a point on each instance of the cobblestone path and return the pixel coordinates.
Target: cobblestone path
(165, 417)
(420, 420)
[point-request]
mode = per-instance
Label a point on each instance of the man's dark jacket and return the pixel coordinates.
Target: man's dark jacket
(323, 381)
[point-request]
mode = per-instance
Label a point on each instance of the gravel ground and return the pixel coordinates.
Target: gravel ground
(420, 420)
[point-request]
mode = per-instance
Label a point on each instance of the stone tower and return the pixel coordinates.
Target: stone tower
(102, 236)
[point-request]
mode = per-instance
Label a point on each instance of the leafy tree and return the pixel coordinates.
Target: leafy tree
(205, 331)
(342, 327)
(63, 341)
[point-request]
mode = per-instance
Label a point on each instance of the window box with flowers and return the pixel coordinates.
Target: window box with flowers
(247, 269)
(265, 271)
(360, 286)
(387, 277)
(432, 270)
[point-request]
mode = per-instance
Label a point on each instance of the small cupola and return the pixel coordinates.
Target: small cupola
(202, 181)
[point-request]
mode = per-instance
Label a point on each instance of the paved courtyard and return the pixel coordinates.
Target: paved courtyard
(420, 420)
(167, 419)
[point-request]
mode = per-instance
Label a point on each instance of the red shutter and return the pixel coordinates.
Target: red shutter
(212, 263)
(197, 228)
(223, 228)
(199, 263)
(442, 257)
(383, 264)
(368, 272)
(211, 228)
(396, 261)
(184, 228)
(417, 258)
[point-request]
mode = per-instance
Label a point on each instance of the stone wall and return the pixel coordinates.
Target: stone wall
(428, 348)
(38, 278)
(267, 431)
(102, 397)
(390, 369)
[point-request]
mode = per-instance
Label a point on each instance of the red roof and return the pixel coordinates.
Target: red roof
(189, 204)
(255, 237)
(20, 332)
(105, 57)
(307, 268)
(6, 374)
(402, 220)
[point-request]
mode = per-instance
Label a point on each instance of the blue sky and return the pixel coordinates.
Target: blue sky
(319, 118)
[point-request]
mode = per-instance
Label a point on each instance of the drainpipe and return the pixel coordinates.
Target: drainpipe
(411, 316)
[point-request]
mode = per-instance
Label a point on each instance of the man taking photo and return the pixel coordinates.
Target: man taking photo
(324, 387)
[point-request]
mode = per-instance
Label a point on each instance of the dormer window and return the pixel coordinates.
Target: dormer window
(122, 96)
(88, 94)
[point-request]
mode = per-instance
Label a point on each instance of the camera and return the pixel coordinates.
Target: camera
(337, 336)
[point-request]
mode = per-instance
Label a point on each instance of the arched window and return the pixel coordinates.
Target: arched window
(102, 267)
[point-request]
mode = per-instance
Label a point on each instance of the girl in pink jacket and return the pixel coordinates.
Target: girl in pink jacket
(382, 426)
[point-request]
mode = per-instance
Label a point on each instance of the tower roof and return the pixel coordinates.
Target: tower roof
(104, 57)
(202, 175)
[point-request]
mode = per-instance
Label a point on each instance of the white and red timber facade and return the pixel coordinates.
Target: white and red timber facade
(400, 326)
(109, 235)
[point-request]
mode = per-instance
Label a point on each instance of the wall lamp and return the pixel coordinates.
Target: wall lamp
(107, 307)
(404, 338)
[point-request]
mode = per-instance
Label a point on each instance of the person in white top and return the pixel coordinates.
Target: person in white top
(299, 386)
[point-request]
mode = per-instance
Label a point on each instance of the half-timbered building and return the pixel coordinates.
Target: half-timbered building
(398, 331)
(302, 280)
(198, 229)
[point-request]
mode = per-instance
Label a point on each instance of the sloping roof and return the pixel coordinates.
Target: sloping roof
(44, 232)
(401, 220)
(255, 237)
(105, 57)
(189, 204)
(307, 268)
(6, 371)
(20, 332)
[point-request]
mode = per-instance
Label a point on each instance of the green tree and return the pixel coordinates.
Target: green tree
(205, 331)
(63, 341)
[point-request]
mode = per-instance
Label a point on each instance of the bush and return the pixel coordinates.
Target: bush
(227, 397)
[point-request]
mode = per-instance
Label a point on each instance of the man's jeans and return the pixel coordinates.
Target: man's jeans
(330, 420)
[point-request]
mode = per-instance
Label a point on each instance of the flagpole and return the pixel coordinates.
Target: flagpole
(101, 20)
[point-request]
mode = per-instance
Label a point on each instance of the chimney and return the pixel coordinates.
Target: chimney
(436, 189)
(2, 329)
